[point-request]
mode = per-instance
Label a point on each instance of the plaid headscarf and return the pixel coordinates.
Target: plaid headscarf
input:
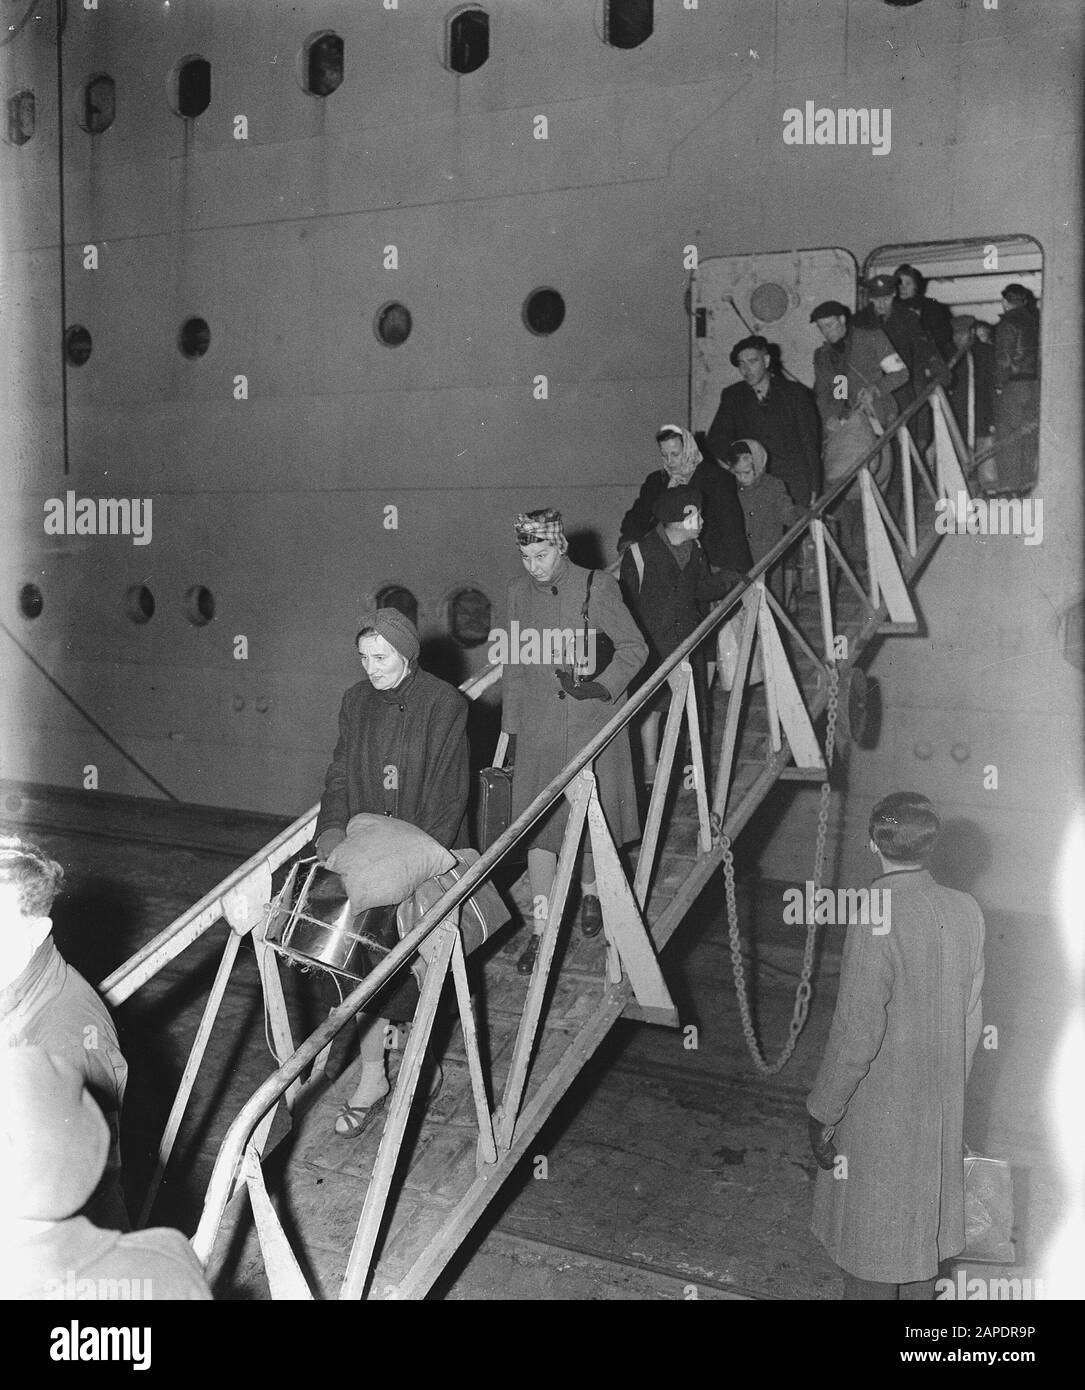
(544, 525)
(690, 457)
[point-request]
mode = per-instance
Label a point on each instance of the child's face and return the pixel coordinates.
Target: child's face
(747, 471)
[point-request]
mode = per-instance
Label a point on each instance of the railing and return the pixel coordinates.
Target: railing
(243, 897)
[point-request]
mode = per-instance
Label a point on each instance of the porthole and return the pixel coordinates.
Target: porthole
(31, 601)
(627, 23)
(322, 64)
(392, 324)
(544, 311)
(139, 604)
(191, 87)
(194, 337)
(468, 40)
(470, 615)
(199, 605)
(77, 344)
(396, 596)
(769, 302)
(97, 107)
(22, 118)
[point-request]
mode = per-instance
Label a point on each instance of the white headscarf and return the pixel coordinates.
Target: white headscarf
(691, 456)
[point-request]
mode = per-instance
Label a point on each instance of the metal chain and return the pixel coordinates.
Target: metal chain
(803, 990)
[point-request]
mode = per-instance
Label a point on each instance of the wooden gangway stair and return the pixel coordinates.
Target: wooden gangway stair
(294, 1210)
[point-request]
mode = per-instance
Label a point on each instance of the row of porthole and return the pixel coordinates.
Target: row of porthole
(139, 603)
(626, 24)
(543, 313)
(469, 610)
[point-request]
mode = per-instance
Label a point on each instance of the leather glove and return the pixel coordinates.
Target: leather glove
(327, 842)
(821, 1142)
(590, 690)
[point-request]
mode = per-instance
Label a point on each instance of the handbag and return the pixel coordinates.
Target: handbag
(495, 797)
(846, 445)
(988, 1210)
(478, 916)
(596, 649)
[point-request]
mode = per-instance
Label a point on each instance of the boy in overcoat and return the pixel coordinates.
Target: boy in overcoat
(887, 1108)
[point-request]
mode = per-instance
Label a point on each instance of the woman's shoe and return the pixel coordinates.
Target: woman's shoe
(591, 915)
(353, 1120)
(526, 964)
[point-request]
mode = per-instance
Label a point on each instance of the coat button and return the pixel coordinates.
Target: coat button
(561, 694)
(402, 708)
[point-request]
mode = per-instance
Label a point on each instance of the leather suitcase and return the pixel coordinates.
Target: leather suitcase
(494, 797)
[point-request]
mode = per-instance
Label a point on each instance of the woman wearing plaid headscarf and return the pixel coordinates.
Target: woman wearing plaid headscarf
(554, 708)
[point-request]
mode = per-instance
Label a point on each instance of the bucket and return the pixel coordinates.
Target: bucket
(312, 924)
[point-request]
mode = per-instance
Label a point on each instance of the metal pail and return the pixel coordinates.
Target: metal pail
(315, 925)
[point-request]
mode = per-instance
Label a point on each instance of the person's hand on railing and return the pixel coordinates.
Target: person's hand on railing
(328, 841)
(590, 690)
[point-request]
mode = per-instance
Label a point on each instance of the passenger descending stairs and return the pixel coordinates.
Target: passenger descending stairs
(288, 1230)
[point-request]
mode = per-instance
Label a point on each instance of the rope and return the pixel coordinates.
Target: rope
(803, 989)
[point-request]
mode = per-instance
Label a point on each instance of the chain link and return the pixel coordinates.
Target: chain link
(803, 990)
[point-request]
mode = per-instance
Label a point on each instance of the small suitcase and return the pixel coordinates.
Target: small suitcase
(494, 797)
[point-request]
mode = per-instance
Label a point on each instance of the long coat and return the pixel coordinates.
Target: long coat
(669, 601)
(892, 1080)
(420, 730)
(785, 422)
(723, 537)
(551, 727)
(858, 358)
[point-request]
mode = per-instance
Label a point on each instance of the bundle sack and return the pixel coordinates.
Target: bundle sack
(383, 860)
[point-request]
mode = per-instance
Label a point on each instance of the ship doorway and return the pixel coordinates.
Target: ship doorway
(994, 391)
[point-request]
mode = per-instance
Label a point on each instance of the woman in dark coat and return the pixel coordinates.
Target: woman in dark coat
(554, 711)
(402, 752)
(1017, 394)
(669, 591)
(724, 535)
(887, 1107)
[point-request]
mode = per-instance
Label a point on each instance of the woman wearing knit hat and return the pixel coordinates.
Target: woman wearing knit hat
(402, 752)
(554, 711)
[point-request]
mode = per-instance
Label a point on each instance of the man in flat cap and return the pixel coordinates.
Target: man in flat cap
(856, 372)
(912, 342)
(778, 413)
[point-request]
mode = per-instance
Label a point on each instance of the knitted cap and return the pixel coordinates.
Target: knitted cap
(396, 629)
(53, 1138)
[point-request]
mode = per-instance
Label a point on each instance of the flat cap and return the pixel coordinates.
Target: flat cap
(829, 308)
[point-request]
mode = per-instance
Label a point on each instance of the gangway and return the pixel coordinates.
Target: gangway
(379, 1216)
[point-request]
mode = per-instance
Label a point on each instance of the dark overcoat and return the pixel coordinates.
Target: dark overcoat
(908, 1017)
(420, 730)
(669, 600)
(785, 422)
(723, 537)
(551, 727)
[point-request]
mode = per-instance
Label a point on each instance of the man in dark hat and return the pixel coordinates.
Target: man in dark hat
(778, 413)
(856, 372)
(911, 341)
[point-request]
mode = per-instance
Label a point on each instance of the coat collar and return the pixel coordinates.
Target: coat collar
(556, 580)
(906, 880)
(403, 691)
(44, 961)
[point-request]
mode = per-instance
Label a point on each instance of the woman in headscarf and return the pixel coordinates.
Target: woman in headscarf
(723, 536)
(402, 752)
(554, 702)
